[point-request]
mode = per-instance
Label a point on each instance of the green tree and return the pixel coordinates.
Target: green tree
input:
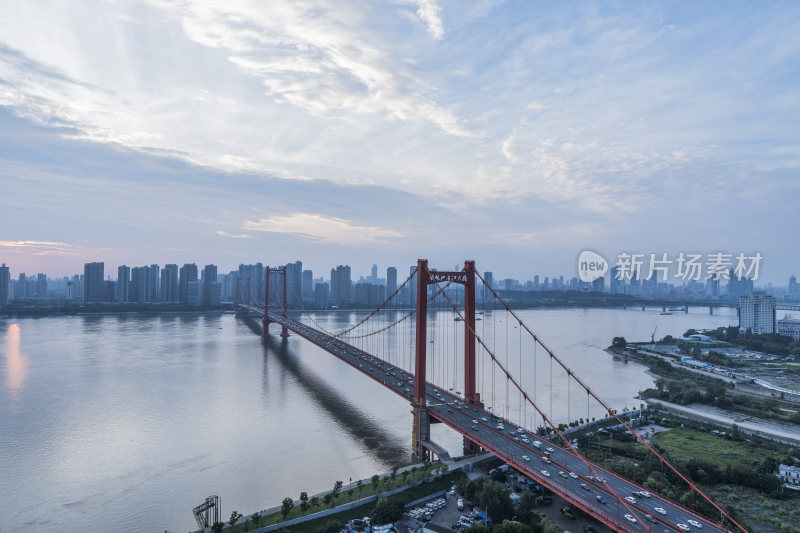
(235, 516)
(337, 487)
(509, 526)
(328, 498)
(387, 510)
(217, 527)
(477, 528)
(525, 508)
(304, 501)
(394, 472)
(256, 518)
(375, 481)
(619, 343)
(495, 498)
(286, 506)
(314, 501)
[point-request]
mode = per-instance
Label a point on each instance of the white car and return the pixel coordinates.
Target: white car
(696, 524)
(550, 450)
(573, 475)
(545, 459)
(526, 457)
(644, 494)
(545, 473)
(474, 421)
(660, 510)
(631, 499)
(630, 518)
(484, 419)
(683, 527)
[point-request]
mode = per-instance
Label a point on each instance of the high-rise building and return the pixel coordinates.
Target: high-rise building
(5, 285)
(188, 274)
(341, 285)
(294, 283)
(757, 312)
(793, 289)
(412, 286)
(109, 291)
(22, 287)
(194, 293)
(321, 294)
(374, 274)
(253, 275)
(308, 286)
(140, 289)
(153, 279)
(93, 282)
(738, 286)
(391, 281)
(209, 279)
(169, 284)
(123, 283)
(41, 285)
(487, 294)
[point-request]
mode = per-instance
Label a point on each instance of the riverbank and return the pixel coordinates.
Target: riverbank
(103, 310)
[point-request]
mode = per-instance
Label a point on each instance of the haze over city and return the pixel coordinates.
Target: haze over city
(514, 133)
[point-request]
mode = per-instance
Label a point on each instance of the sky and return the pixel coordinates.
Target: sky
(515, 133)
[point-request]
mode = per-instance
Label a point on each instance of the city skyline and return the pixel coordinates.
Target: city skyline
(510, 133)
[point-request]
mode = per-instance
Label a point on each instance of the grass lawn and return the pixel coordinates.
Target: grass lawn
(760, 513)
(683, 444)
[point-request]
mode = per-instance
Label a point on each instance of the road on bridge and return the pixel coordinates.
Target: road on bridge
(588, 486)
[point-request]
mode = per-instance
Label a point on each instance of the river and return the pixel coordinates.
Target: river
(126, 422)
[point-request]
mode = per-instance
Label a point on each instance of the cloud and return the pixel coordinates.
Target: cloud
(323, 228)
(42, 248)
(428, 12)
(233, 235)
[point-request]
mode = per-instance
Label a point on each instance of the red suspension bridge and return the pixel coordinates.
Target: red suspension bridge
(393, 349)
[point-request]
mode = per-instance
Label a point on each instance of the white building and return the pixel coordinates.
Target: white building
(757, 312)
(789, 327)
(789, 474)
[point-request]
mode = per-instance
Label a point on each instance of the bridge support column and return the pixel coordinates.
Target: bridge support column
(471, 395)
(422, 425)
(710, 309)
(265, 319)
(420, 432)
(284, 331)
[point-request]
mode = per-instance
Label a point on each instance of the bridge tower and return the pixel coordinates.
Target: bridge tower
(237, 298)
(422, 419)
(266, 321)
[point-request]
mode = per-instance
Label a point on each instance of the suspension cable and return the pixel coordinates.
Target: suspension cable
(613, 414)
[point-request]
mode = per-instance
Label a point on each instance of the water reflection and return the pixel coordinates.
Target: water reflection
(354, 421)
(16, 366)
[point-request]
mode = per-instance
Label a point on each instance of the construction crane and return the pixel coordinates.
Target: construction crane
(653, 336)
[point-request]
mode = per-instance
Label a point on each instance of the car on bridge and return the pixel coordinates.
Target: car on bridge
(660, 510)
(600, 499)
(696, 524)
(545, 473)
(526, 457)
(630, 518)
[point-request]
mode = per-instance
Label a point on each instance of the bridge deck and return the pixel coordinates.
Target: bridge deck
(508, 442)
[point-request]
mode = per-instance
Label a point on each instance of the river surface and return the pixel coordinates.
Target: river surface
(126, 422)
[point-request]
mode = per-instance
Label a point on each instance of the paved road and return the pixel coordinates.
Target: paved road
(590, 484)
(784, 431)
